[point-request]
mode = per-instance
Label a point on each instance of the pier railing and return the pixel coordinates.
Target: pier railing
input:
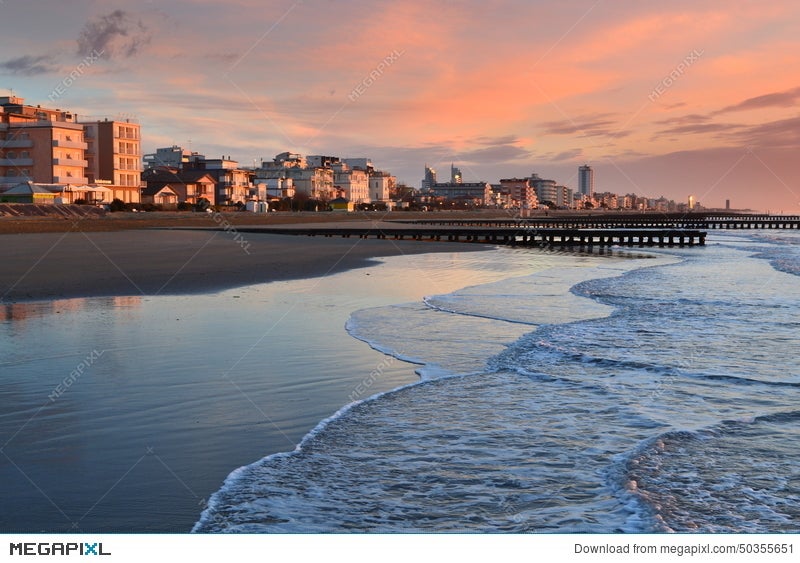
(519, 236)
(627, 221)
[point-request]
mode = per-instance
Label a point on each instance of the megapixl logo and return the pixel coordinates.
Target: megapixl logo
(54, 548)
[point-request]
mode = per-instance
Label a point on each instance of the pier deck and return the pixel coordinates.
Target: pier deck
(511, 236)
(627, 221)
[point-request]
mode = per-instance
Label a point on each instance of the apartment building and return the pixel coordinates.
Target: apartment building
(520, 192)
(316, 183)
(477, 193)
(381, 185)
(353, 184)
(326, 177)
(233, 184)
(114, 156)
(39, 144)
(174, 157)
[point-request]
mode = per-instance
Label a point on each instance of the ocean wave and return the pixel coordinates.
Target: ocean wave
(438, 304)
(483, 453)
(661, 414)
(737, 476)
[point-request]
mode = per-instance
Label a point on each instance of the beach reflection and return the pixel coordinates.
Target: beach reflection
(21, 312)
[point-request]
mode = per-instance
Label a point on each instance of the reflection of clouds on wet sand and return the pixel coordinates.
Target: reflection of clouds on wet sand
(20, 312)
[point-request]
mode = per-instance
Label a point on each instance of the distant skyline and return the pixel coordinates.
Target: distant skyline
(668, 99)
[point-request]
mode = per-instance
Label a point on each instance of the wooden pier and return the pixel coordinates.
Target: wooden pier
(510, 236)
(703, 221)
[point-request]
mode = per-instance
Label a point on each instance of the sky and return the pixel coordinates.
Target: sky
(671, 98)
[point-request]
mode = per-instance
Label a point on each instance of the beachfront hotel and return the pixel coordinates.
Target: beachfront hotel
(40, 145)
(97, 160)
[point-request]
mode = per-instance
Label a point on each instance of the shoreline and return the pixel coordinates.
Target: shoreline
(214, 518)
(48, 266)
(162, 383)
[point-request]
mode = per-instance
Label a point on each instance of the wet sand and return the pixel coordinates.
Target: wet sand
(42, 266)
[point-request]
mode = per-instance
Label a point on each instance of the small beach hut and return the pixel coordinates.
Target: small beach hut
(342, 204)
(28, 192)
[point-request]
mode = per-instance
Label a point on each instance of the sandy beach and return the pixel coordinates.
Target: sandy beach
(40, 266)
(43, 220)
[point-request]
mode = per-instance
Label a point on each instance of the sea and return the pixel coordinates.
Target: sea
(629, 390)
(507, 390)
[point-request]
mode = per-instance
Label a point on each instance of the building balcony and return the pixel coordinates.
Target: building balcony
(16, 144)
(16, 162)
(70, 180)
(70, 162)
(70, 144)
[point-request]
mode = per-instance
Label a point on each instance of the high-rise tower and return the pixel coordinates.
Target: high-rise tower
(455, 175)
(586, 180)
(430, 178)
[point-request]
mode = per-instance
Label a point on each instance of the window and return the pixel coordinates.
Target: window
(11, 154)
(25, 154)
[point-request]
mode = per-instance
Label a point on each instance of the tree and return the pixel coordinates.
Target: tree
(117, 205)
(202, 204)
(401, 191)
(300, 201)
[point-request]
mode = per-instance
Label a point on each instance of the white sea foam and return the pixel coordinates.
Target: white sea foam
(603, 423)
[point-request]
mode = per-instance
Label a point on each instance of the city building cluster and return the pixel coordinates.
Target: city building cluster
(534, 192)
(175, 174)
(52, 156)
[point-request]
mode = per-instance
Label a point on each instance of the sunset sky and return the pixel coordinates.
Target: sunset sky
(661, 98)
